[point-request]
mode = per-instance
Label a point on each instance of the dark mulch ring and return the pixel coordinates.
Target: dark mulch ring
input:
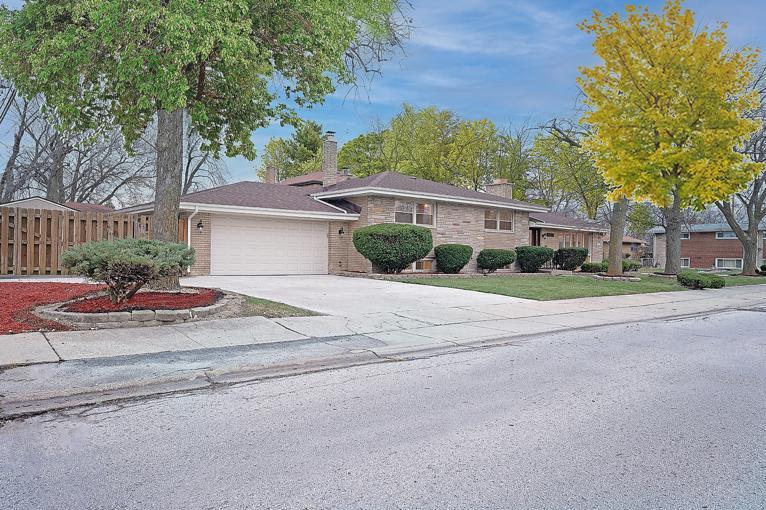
(19, 299)
(148, 300)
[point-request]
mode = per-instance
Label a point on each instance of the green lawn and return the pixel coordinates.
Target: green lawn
(545, 288)
(274, 310)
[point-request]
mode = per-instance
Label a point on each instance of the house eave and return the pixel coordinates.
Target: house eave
(537, 224)
(425, 196)
(254, 211)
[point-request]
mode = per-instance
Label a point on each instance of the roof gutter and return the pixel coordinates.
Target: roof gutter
(427, 196)
(540, 224)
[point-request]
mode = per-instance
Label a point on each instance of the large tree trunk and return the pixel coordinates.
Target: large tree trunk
(167, 191)
(55, 189)
(673, 226)
(616, 232)
(750, 252)
(749, 236)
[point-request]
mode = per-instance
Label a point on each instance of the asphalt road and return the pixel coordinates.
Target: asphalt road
(653, 415)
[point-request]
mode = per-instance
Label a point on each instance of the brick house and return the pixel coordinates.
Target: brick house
(706, 246)
(556, 231)
(632, 247)
(305, 225)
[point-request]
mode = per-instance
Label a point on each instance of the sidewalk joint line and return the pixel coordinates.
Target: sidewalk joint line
(51, 346)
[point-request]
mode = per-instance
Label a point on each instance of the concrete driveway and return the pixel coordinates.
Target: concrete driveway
(344, 296)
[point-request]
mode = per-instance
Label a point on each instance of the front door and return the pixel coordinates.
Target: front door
(534, 236)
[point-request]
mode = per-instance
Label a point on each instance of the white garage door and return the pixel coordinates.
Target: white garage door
(250, 245)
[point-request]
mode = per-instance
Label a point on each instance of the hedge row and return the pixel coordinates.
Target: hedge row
(695, 280)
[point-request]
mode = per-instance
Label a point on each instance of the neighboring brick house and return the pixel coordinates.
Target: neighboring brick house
(707, 246)
(304, 226)
(632, 247)
(557, 231)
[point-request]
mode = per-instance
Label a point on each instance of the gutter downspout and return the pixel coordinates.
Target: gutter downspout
(189, 231)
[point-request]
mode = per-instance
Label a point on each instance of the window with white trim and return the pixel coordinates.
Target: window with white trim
(685, 235)
(726, 235)
(728, 263)
(416, 213)
(498, 219)
(686, 262)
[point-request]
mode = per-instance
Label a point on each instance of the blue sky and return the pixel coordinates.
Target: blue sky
(513, 61)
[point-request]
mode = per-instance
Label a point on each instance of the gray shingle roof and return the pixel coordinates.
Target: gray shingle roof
(260, 195)
(550, 218)
(707, 227)
(400, 182)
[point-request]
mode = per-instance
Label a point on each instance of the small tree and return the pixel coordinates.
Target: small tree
(126, 265)
(393, 246)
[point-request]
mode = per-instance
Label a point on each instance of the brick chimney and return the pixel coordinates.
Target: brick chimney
(501, 188)
(270, 176)
(329, 159)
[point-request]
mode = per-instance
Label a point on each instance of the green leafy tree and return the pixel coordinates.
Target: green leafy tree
(641, 218)
(666, 106)
(234, 65)
(473, 154)
(298, 155)
(365, 155)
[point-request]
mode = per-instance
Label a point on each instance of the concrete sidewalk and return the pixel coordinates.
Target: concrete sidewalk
(114, 365)
(401, 329)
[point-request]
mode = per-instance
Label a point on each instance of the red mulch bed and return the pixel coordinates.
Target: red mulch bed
(148, 301)
(18, 299)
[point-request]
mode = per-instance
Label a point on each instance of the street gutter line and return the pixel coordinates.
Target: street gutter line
(206, 381)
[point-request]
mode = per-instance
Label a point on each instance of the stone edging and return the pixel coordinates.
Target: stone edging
(136, 318)
(617, 278)
(407, 276)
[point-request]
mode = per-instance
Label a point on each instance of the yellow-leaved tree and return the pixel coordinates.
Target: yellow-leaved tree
(666, 106)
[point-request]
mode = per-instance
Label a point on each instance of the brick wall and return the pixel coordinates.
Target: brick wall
(343, 256)
(593, 241)
(703, 248)
(455, 223)
(632, 251)
(200, 241)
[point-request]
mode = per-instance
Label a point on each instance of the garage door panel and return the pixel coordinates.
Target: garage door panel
(261, 246)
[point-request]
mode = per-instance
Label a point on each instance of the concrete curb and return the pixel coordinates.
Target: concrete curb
(207, 379)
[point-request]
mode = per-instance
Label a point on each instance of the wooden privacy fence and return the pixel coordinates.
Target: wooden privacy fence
(32, 240)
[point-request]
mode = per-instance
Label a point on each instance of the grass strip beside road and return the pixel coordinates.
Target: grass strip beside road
(274, 310)
(548, 288)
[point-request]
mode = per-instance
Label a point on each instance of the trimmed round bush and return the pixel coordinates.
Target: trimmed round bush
(392, 247)
(570, 259)
(126, 265)
(490, 260)
(630, 265)
(451, 258)
(763, 269)
(594, 267)
(532, 258)
(694, 280)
